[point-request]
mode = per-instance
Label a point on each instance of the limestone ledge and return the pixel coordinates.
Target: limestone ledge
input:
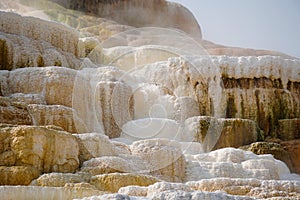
(56, 34)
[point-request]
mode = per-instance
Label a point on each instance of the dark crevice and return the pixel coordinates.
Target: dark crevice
(249, 83)
(293, 86)
(231, 109)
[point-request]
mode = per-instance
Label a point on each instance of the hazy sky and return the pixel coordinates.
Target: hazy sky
(259, 24)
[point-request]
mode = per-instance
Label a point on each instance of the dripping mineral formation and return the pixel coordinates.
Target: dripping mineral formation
(104, 100)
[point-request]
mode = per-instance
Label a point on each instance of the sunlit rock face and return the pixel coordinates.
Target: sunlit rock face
(113, 98)
(230, 132)
(257, 88)
(58, 179)
(56, 115)
(143, 114)
(112, 164)
(277, 150)
(247, 95)
(93, 145)
(250, 187)
(46, 149)
(160, 158)
(29, 42)
(18, 175)
(210, 189)
(164, 157)
(234, 163)
(68, 192)
(173, 194)
(263, 89)
(112, 182)
(14, 112)
(103, 92)
(54, 84)
(59, 36)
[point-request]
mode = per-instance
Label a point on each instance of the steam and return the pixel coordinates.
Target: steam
(23, 8)
(165, 69)
(161, 66)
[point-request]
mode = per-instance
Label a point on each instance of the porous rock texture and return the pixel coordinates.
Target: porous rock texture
(143, 114)
(277, 150)
(13, 112)
(114, 181)
(256, 88)
(29, 42)
(54, 84)
(56, 115)
(164, 157)
(58, 179)
(35, 192)
(219, 133)
(18, 175)
(234, 163)
(46, 149)
(288, 129)
(250, 187)
(293, 148)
